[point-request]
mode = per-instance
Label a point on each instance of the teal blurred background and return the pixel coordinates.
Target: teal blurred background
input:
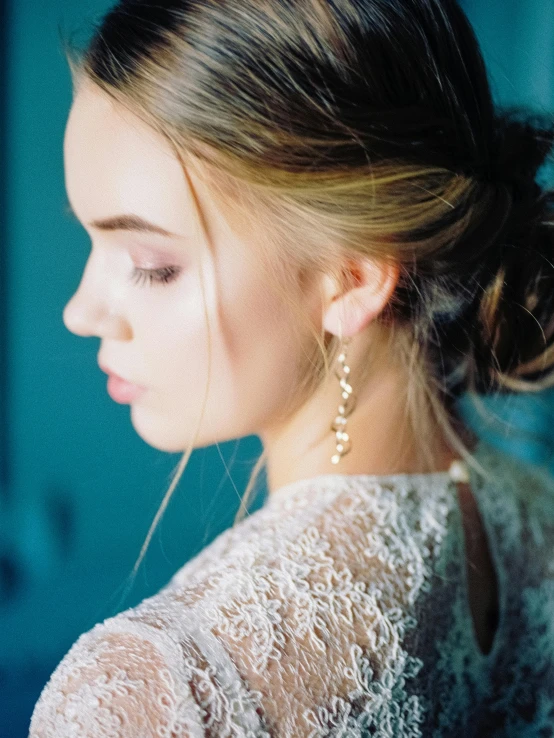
(78, 487)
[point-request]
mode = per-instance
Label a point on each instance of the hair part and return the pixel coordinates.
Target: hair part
(359, 128)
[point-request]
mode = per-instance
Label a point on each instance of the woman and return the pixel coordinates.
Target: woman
(331, 235)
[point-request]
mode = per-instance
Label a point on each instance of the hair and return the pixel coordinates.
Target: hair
(359, 128)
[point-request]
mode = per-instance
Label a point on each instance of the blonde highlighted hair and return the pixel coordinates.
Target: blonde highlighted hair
(359, 128)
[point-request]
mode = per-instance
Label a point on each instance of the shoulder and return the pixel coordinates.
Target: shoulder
(154, 669)
(119, 679)
(282, 620)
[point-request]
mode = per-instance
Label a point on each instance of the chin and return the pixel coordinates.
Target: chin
(157, 438)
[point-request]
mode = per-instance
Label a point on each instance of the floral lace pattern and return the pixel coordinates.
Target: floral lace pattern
(340, 609)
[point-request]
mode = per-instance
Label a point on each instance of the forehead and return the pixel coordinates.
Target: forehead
(115, 162)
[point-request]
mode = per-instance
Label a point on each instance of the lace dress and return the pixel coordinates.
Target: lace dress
(339, 608)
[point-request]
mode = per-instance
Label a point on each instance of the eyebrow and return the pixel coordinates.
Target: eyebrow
(125, 222)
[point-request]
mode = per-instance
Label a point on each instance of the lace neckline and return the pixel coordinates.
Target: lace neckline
(457, 471)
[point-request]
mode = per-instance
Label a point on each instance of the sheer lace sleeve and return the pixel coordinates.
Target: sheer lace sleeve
(118, 682)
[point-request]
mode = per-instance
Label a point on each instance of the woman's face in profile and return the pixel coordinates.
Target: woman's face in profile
(153, 332)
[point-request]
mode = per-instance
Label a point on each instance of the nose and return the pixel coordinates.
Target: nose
(86, 316)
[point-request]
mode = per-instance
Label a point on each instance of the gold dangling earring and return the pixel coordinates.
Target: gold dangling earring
(345, 408)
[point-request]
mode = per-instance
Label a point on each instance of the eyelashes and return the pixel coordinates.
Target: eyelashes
(151, 276)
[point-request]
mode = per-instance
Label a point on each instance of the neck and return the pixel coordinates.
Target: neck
(381, 440)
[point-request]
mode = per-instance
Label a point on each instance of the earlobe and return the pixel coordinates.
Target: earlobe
(346, 311)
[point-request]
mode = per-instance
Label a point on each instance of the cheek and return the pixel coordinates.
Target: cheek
(255, 359)
(170, 330)
(252, 354)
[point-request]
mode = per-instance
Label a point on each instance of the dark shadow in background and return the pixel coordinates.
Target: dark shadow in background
(10, 574)
(5, 455)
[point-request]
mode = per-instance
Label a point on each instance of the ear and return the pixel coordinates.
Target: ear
(366, 288)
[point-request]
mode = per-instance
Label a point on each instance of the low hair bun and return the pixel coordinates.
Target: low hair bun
(521, 146)
(513, 336)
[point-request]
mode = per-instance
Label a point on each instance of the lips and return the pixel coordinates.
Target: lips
(111, 373)
(122, 391)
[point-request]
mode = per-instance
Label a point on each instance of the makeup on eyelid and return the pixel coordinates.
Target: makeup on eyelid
(166, 272)
(161, 276)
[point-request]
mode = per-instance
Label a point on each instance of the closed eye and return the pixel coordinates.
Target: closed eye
(161, 276)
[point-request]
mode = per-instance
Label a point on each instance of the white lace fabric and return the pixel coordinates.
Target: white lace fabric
(340, 608)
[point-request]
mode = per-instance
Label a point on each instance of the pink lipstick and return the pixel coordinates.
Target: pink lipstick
(122, 391)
